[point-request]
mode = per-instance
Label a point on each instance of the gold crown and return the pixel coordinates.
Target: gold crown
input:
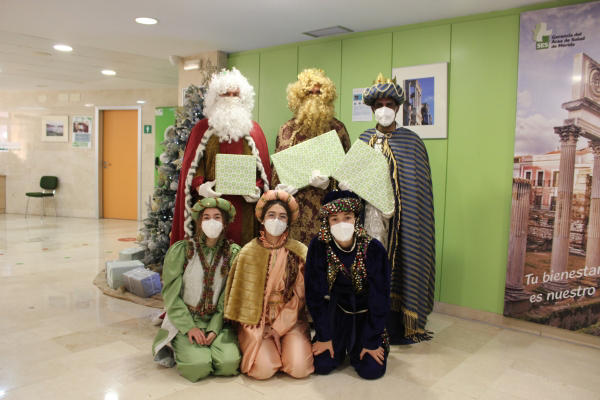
(382, 81)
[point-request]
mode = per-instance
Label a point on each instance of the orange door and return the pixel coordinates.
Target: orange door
(120, 164)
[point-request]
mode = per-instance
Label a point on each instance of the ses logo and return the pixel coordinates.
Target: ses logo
(541, 36)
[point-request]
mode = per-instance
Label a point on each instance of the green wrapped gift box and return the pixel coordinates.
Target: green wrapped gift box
(296, 164)
(115, 270)
(235, 174)
(367, 172)
(132, 253)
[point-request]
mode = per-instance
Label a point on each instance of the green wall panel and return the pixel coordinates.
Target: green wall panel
(418, 47)
(421, 46)
(438, 152)
(326, 56)
(249, 66)
(363, 58)
(277, 69)
(483, 93)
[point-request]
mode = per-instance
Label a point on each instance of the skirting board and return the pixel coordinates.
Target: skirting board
(516, 324)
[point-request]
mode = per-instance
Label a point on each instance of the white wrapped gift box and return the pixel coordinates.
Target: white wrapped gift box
(235, 174)
(132, 253)
(296, 164)
(116, 269)
(368, 173)
(142, 282)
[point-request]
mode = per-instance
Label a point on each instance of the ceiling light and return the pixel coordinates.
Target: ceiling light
(146, 21)
(89, 105)
(63, 47)
(141, 101)
(111, 396)
(336, 30)
(109, 72)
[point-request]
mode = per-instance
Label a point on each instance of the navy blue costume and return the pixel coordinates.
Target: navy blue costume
(351, 321)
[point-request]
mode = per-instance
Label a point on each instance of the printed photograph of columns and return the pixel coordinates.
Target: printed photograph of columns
(592, 250)
(516, 300)
(569, 134)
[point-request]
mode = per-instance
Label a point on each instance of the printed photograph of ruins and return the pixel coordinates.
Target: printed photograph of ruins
(553, 268)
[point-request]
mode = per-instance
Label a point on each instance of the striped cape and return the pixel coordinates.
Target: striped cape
(411, 249)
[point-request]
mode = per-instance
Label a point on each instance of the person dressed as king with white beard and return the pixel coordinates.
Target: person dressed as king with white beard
(229, 129)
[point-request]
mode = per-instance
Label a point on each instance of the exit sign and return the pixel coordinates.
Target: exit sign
(147, 128)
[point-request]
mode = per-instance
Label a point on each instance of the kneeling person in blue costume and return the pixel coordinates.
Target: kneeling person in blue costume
(347, 284)
(194, 273)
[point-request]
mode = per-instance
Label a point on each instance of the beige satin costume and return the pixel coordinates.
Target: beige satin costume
(276, 274)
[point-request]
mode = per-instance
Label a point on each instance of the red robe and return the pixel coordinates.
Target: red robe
(234, 230)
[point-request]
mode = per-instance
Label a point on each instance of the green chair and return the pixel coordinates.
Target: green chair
(46, 183)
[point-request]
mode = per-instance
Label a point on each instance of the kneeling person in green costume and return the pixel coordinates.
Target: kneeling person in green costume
(194, 274)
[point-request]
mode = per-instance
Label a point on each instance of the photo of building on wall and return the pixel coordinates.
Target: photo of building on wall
(553, 268)
(418, 109)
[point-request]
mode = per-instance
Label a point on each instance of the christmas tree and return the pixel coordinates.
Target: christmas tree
(154, 235)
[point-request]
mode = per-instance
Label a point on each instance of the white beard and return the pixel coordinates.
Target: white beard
(229, 119)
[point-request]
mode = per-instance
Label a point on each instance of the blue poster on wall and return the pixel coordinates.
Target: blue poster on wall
(553, 270)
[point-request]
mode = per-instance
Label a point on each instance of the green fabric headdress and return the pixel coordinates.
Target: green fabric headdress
(218, 202)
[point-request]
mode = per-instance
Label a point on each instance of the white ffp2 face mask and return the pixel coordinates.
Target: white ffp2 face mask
(275, 227)
(212, 228)
(342, 231)
(385, 116)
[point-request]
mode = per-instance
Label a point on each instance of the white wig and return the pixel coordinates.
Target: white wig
(230, 119)
(224, 81)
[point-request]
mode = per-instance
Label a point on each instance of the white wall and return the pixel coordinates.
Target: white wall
(22, 111)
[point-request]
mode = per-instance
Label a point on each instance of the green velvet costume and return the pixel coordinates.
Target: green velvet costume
(187, 281)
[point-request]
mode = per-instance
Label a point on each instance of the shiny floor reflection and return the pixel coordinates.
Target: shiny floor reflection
(60, 338)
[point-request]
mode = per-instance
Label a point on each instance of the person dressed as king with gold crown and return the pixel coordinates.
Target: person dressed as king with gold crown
(408, 232)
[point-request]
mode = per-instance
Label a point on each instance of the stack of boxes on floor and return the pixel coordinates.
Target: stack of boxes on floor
(129, 271)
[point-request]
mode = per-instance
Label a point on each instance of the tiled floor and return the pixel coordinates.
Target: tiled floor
(60, 338)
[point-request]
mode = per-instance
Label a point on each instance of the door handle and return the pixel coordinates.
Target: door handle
(105, 164)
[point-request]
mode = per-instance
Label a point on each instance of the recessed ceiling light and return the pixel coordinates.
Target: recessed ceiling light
(336, 30)
(141, 101)
(146, 21)
(63, 47)
(40, 54)
(89, 104)
(111, 396)
(109, 72)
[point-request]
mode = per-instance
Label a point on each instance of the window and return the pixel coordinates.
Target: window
(540, 178)
(528, 175)
(555, 179)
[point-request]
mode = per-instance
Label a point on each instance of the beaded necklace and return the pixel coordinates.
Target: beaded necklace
(344, 250)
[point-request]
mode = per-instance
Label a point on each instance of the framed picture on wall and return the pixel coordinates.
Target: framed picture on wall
(55, 128)
(81, 132)
(425, 110)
